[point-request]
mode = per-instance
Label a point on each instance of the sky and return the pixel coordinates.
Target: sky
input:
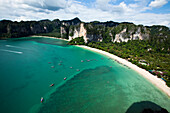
(146, 12)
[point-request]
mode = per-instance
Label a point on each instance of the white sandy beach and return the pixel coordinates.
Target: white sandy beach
(153, 79)
(49, 37)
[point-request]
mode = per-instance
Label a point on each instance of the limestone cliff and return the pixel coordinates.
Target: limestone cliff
(79, 32)
(103, 32)
(139, 33)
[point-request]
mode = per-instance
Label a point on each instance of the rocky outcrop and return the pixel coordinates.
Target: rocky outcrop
(79, 32)
(20, 29)
(125, 35)
(120, 37)
(62, 31)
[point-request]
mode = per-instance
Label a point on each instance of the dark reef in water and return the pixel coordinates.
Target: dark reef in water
(145, 107)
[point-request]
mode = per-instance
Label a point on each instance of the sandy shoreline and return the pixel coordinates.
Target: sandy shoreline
(153, 79)
(49, 37)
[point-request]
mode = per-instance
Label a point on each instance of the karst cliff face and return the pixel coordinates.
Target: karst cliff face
(94, 31)
(125, 35)
(79, 32)
(103, 32)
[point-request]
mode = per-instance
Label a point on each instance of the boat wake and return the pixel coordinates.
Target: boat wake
(18, 52)
(15, 47)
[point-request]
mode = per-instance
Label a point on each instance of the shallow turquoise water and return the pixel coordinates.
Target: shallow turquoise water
(26, 74)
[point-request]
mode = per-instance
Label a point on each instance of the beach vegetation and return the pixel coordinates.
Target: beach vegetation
(77, 41)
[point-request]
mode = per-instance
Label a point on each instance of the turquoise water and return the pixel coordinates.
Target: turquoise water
(95, 86)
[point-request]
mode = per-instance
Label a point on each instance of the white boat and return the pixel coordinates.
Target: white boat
(42, 99)
(65, 78)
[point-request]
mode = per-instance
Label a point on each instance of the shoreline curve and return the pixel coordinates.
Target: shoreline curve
(159, 83)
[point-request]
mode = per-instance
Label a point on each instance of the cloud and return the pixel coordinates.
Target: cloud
(151, 19)
(42, 4)
(102, 10)
(158, 3)
(105, 5)
(47, 4)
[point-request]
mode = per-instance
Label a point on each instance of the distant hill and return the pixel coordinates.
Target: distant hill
(92, 31)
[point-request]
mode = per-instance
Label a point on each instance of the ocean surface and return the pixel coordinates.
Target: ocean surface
(95, 83)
